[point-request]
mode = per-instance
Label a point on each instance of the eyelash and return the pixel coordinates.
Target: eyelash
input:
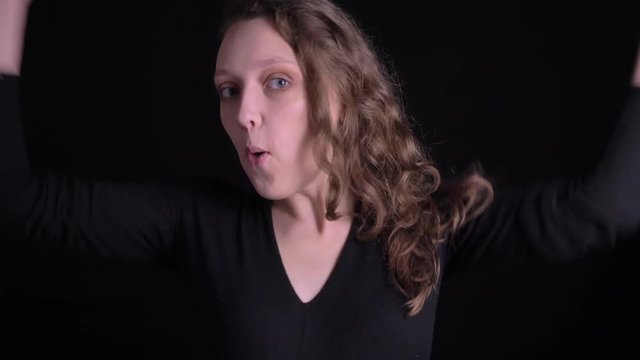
(222, 90)
(279, 78)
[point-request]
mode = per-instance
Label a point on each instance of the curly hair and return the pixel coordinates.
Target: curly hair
(372, 153)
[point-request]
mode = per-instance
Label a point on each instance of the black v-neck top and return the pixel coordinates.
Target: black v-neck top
(221, 242)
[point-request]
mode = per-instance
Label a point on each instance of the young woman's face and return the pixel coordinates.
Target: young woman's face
(263, 108)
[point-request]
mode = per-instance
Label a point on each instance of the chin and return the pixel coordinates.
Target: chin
(270, 192)
(271, 195)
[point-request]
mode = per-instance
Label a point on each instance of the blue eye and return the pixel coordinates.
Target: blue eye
(227, 92)
(278, 83)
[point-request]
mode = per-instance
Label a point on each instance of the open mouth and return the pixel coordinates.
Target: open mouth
(257, 157)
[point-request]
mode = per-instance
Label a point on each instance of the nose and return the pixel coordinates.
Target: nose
(249, 114)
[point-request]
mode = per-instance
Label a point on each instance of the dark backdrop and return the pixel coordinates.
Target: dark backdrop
(122, 89)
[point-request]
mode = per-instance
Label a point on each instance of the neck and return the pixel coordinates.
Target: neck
(308, 208)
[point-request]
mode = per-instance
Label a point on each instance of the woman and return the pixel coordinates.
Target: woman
(340, 254)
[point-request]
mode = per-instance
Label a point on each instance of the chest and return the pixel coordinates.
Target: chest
(356, 314)
(308, 260)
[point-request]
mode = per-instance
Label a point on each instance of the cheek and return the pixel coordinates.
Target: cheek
(293, 119)
(226, 120)
(299, 145)
(225, 116)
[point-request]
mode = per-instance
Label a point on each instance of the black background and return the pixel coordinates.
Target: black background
(531, 89)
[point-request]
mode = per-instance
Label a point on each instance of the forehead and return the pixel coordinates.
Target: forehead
(252, 43)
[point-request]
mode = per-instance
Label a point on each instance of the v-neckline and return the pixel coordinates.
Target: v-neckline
(282, 271)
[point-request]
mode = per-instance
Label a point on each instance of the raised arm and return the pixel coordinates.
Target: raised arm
(14, 166)
(563, 220)
(13, 16)
(123, 220)
(615, 185)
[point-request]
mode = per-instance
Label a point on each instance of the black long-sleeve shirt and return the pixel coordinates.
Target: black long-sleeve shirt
(222, 243)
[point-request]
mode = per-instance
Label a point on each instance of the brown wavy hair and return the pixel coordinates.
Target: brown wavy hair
(372, 153)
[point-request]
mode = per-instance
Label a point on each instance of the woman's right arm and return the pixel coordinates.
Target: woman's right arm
(58, 212)
(132, 221)
(14, 168)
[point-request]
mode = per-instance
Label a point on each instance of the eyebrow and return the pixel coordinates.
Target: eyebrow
(274, 60)
(261, 63)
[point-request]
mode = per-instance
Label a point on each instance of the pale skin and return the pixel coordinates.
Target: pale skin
(263, 104)
(13, 15)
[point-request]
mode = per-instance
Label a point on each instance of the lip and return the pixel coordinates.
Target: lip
(252, 149)
(257, 156)
(258, 159)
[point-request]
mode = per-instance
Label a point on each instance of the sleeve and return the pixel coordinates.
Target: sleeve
(61, 213)
(562, 219)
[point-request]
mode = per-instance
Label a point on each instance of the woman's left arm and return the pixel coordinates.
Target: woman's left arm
(615, 185)
(563, 220)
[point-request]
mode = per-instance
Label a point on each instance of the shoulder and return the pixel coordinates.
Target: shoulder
(211, 198)
(209, 191)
